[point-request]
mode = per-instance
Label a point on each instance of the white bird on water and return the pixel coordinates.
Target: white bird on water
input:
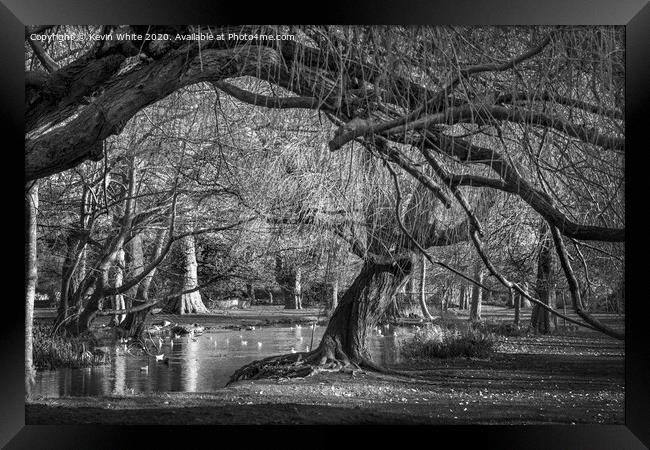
(160, 357)
(293, 350)
(244, 342)
(259, 344)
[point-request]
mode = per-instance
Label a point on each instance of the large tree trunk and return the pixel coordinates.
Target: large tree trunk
(345, 339)
(360, 309)
(191, 302)
(540, 318)
(477, 294)
(31, 275)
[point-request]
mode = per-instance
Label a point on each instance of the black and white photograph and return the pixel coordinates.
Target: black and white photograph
(325, 225)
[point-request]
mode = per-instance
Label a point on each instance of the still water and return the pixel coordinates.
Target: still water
(196, 364)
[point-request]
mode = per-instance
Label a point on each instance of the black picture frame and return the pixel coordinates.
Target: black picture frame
(633, 14)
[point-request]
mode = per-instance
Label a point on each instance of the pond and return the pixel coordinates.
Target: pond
(202, 363)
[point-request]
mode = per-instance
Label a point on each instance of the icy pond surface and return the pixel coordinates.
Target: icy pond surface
(200, 363)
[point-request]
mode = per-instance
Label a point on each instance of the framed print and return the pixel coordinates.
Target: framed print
(406, 215)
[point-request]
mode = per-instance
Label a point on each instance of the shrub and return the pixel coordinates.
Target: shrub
(52, 352)
(442, 342)
(503, 328)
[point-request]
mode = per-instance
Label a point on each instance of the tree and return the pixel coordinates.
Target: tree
(31, 276)
(533, 113)
(189, 302)
(477, 294)
(540, 319)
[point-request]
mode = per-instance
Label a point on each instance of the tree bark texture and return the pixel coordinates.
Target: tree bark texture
(190, 302)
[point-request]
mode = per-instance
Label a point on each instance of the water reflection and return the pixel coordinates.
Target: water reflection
(196, 364)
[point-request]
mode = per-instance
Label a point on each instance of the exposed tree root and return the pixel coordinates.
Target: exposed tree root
(326, 358)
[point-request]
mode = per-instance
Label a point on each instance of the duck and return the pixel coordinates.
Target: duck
(293, 350)
(250, 328)
(244, 342)
(160, 357)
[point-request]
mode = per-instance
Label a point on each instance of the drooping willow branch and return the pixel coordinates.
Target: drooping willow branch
(478, 244)
(575, 291)
(514, 183)
(398, 215)
(436, 102)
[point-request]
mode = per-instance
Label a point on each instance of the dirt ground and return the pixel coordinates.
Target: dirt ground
(561, 379)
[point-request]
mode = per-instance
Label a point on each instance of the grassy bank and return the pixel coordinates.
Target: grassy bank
(54, 351)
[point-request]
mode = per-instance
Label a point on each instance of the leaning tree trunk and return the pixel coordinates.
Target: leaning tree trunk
(360, 309)
(73, 271)
(477, 293)
(345, 339)
(31, 275)
(189, 302)
(133, 323)
(540, 318)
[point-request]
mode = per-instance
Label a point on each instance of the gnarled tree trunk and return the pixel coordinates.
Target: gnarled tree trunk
(189, 302)
(360, 309)
(344, 341)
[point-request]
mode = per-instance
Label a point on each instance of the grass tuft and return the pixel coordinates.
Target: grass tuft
(53, 352)
(448, 342)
